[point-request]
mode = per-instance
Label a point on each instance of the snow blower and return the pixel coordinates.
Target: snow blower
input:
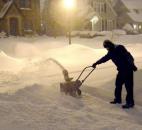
(73, 87)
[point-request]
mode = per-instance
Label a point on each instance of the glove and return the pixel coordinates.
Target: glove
(94, 65)
(135, 68)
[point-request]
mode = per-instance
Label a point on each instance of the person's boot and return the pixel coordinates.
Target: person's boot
(116, 102)
(127, 106)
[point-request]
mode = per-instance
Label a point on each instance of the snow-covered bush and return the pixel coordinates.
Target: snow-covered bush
(75, 33)
(129, 29)
(87, 34)
(104, 33)
(92, 34)
(119, 32)
(3, 34)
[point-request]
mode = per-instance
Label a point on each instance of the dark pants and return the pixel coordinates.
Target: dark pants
(127, 79)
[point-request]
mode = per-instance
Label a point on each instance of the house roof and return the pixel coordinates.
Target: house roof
(133, 6)
(5, 8)
(111, 7)
(136, 17)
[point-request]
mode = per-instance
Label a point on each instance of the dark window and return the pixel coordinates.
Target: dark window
(6, 1)
(28, 25)
(105, 8)
(95, 7)
(114, 24)
(104, 24)
(137, 11)
(102, 7)
(92, 3)
(25, 3)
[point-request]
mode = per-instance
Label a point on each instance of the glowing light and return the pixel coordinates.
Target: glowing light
(135, 26)
(95, 19)
(69, 4)
(140, 27)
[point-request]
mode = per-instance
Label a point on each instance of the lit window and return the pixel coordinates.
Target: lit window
(134, 26)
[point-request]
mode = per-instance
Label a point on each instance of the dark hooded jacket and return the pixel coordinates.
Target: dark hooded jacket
(120, 57)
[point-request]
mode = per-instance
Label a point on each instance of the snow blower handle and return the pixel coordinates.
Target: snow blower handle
(87, 75)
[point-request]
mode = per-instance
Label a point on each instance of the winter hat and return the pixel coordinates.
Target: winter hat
(108, 44)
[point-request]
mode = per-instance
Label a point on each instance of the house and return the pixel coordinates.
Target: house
(20, 17)
(105, 17)
(129, 13)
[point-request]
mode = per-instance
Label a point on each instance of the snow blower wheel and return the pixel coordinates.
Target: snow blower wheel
(72, 88)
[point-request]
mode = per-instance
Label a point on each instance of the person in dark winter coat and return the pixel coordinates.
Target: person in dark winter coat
(125, 66)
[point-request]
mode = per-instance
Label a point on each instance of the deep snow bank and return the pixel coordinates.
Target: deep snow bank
(43, 69)
(8, 63)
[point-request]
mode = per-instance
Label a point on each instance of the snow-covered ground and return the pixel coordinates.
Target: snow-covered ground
(29, 85)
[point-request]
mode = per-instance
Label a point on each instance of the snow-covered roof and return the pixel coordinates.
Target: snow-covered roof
(135, 9)
(133, 4)
(109, 3)
(135, 17)
(5, 8)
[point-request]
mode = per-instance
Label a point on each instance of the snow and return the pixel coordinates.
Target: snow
(119, 32)
(3, 35)
(5, 9)
(133, 6)
(9, 63)
(92, 34)
(136, 17)
(128, 28)
(30, 74)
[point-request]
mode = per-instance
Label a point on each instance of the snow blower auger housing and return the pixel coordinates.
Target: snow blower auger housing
(73, 87)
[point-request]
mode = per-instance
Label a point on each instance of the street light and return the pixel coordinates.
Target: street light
(94, 21)
(69, 6)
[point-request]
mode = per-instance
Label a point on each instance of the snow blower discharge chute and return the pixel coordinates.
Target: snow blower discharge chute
(72, 88)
